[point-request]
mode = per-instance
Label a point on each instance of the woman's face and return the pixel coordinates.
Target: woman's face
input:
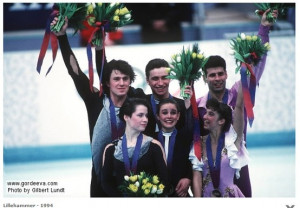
(168, 116)
(211, 120)
(139, 119)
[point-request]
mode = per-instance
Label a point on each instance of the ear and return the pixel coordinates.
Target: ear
(126, 118)
(221, 122)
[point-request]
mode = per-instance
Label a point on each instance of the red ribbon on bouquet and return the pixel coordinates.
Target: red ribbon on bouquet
(99, 25)
(248, 90)
(196, 133)
(54, 43)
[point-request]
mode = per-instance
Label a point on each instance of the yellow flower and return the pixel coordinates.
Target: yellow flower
(267, 46)
(117, 11)
(90, 9)
(200, 56)
(149, 185)
(248, 37)
(168, 69)
(161, 186)
(123, 11)
(116, 18)
(133, 188)
(133, 178)
(254, 37)
(194, 55)
(238, 40)
(99, 4)
(146, 191)
(155, 179)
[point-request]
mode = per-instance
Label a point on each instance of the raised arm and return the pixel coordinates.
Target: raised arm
(81, 81)
(263, 32)
(238, 116)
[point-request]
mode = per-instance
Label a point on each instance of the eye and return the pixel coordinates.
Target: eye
(173, 112)
(125, 78)
(154, 78)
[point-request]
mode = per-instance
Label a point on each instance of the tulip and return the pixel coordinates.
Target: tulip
(194, 55)
(178, 58)
(126, 177)
(147, 191)
(133, 178)
(133, 188)
(124, 11)
(137, 184)
(254, 37)
(159, 191)
(161, 186)
(116, 18)
(148, 185)
(90, 9)
(238, 39)
(154, 189)
(267, 46)
(91, 20)
(155, 179)
(248, 37)
(117, 11)
(127, 16)
(243, 36)
(200, 56)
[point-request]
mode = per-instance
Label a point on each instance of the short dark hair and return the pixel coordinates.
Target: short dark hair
(129, 106)
(223, 110)
(155, 63)
(165, 101)
(214, 61)
(119, 65)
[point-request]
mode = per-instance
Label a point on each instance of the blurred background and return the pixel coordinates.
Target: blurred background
(45, 128)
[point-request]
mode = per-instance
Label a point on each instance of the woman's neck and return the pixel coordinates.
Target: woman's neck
(214, 136)
(131, 137)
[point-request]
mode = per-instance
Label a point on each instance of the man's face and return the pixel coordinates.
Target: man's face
(159, 83)
(118, 83)
(216, 79)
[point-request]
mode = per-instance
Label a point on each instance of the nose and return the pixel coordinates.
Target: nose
(160, 81)
(121, 82)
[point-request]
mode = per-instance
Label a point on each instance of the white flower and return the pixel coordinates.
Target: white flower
(243, 36)
(159, 191)
(137, 184)
(154, 189)
(126, 177)
(178, 58)
(127, 16)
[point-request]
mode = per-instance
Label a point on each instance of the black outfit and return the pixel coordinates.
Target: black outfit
(113, 170)
(181, 166)
(151, 126)
(92, 100)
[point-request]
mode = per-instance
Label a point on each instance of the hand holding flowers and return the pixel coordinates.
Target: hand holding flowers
(280, 7)
(142, 185)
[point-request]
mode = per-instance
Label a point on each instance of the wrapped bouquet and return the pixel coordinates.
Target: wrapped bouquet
(75, 12)
(248, 49)
(110, 17)
(186, 67)
(281, 7)
(142, 185)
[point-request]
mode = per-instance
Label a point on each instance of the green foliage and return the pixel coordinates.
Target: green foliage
(281, 7)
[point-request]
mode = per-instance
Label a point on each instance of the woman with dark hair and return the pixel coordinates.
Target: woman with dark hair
(223, 151)
(134, 152)
(176, 143)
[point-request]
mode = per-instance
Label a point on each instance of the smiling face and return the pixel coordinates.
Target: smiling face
(118, 84)
(216, 79)
(159, 83)
(138, 119)
(168, 116)
(212, 120)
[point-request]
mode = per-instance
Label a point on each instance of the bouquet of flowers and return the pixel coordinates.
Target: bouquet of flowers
(142, 185)
(185, 67)
(281, 7)
(75, 12)
(109, 16)
(248, 49)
